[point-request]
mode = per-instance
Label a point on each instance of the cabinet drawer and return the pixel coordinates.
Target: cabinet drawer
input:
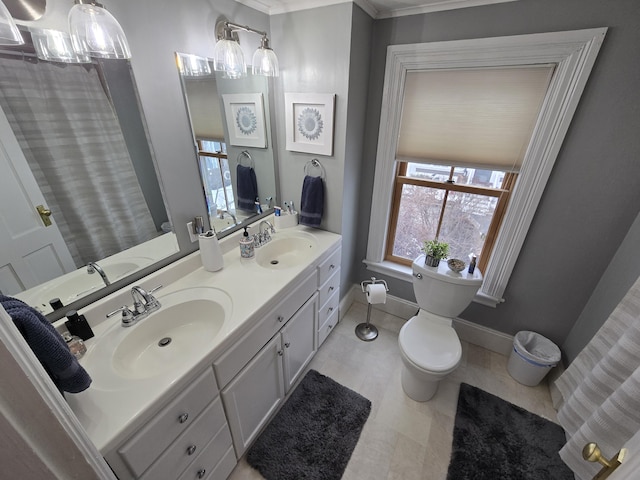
(329, 308)
(189, 445)
(329, 288)
(326, 328)
(144, 447)
(233, 360)
(328, 267)
(207, 467)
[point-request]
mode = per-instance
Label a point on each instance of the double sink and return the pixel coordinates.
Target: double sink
(189, 322)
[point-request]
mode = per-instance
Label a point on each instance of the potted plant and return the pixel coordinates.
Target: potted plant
(435, 251)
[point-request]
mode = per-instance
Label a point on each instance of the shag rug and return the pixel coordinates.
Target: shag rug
(495, 440)
(313, 435)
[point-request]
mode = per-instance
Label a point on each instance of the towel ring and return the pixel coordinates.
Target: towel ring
(315, 163)
(246, 154)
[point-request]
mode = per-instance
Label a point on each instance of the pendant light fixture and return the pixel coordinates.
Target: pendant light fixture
(191, 65)
(9, 33)
(228, 56)
(96, 32)
(55, 46)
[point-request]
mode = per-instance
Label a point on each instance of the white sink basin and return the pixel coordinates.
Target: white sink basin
(286, 251)
(173, 338)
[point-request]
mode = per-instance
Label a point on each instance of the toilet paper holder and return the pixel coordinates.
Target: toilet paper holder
(366, 331)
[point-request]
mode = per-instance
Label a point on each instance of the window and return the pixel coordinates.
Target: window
(460, 206)
(216, 177)
(571, 53)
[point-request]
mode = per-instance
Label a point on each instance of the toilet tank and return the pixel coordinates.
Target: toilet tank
(441, 291)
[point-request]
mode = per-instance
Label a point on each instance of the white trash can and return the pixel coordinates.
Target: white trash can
(532, 357)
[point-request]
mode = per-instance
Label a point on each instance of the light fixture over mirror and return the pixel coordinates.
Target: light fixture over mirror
(94, 31)
(55, 46)
(229, 59)
(9, 33)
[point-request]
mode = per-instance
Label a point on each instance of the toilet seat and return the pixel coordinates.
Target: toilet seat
(430, 345)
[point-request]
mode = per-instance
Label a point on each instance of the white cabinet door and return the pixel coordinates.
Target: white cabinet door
(297, 340)
(252, 397)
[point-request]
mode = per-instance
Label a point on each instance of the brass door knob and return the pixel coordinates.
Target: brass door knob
(45, 213)
(591, 452)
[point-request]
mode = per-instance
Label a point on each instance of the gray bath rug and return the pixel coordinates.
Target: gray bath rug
(496, 440)
(313, 435)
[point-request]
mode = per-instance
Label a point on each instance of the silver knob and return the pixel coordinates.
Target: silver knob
(332, 266)
(331, 289)
(191, 449)
(201, 473)
(286, 345)
(280, 318)
(418, 275)
(280, 352)
(183, 418)
(330, 310)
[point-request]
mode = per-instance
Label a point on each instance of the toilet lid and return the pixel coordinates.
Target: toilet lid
(430, 346)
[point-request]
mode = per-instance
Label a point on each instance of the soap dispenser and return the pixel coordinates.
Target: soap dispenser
(246, 245)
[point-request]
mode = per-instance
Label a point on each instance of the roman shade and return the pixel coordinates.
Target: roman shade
(477, 116)
(204, 107)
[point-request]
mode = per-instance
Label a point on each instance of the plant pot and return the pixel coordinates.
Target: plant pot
(430, 261)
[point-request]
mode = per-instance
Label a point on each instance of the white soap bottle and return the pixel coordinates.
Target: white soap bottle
(210, 251)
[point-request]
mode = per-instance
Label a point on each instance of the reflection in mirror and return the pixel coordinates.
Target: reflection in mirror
(221, 158)
(82, 205)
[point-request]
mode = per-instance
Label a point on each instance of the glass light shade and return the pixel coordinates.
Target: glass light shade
(265, 63)
(96, 32)
(229, 59)
(193, 65)
(55, 46)
(9, 33)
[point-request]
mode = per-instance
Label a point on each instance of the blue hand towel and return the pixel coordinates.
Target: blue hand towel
(247, 187)
(312, 201)
(48, 346)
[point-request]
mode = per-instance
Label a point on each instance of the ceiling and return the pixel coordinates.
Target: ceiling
(375, 8)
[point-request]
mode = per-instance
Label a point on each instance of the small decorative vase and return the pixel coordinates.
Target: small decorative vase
(430, 261)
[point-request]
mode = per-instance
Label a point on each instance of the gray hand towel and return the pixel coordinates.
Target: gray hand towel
(48, 346)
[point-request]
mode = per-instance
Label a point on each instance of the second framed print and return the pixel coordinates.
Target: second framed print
(309, 122)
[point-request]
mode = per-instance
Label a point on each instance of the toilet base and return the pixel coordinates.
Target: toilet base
(417, 387)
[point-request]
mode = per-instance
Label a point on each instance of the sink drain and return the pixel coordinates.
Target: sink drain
(164, 341)
(274, 262)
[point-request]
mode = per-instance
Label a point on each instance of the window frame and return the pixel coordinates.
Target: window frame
(400, 179)
(573, 52)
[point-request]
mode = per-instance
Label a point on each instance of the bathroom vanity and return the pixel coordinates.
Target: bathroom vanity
(190, 410)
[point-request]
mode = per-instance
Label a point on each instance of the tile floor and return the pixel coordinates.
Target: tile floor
(403, 439)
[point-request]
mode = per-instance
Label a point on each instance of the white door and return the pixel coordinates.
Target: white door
(630, 467)
(30, 252)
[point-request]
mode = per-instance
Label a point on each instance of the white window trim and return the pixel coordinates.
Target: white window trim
(573, 52)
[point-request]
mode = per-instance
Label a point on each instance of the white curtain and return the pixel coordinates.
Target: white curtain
(601, 388)
(73, 142)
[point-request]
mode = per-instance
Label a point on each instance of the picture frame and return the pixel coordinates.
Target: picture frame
(309, 122)
(244, 115)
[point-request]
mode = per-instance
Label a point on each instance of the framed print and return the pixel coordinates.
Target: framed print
(309, 122)
(244, 113)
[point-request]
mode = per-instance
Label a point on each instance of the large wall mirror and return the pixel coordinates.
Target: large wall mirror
(231, 126)
(82, 207)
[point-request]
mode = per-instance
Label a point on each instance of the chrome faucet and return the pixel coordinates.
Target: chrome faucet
(93, 267)
(144, 303)
(222, 213)
(261, 237)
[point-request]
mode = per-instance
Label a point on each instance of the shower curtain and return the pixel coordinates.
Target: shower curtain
(601, 388)
(72, 140)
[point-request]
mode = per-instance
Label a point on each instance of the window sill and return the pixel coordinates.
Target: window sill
(404, 273)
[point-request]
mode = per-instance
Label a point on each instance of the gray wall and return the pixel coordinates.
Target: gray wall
(592, 196)
(619, 276)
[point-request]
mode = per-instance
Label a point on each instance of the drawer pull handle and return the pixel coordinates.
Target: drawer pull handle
(332, 266)
(191, 449)
(201, 473)
(280, 318)
(331, 289)
(183, 418)
(330, 326)
(280, 352)
(286, 345)
(330, 310)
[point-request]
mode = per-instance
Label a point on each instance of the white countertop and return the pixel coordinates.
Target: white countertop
(112, 410)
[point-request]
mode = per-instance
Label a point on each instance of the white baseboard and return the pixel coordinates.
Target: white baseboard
(467, 331)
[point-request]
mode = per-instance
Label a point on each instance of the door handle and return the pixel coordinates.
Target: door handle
(44, 213)
(591, 452)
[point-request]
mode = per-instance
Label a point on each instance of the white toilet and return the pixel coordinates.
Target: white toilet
(429, 345)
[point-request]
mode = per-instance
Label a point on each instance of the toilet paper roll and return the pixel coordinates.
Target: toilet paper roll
(210, 252)
(376, 293)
